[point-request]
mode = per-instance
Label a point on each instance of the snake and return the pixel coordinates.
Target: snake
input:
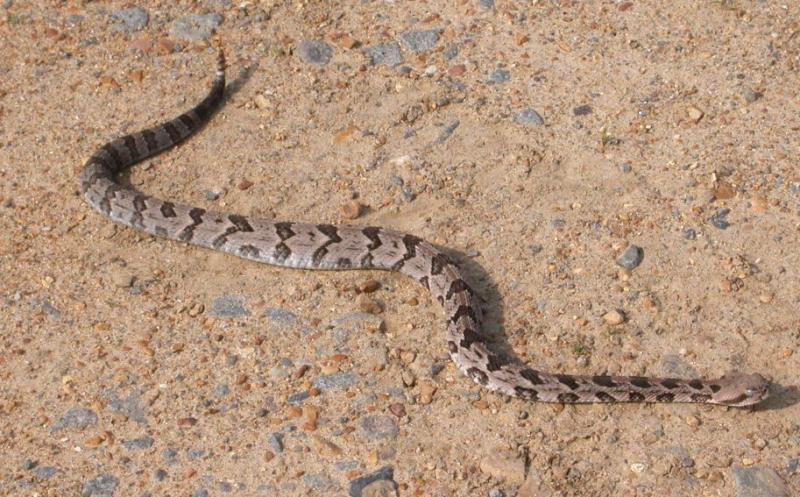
(329, 247)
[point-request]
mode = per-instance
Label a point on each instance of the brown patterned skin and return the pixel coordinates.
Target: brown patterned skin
(327, 247)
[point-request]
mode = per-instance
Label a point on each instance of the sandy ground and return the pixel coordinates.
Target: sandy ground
(536, 139)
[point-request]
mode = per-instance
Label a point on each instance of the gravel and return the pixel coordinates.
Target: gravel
(44, 472)
(582, 110)
(102, 486)
(281, 317)
(631, 258)
(378, 427)
(130, 20)
(387, 54)
(420, 41)
(319, 482)
(229, 306)
(275, 442)
(138, 443)
(77, 418)
(384, 474)
(314, 52)
(195, 27)
(528, 117)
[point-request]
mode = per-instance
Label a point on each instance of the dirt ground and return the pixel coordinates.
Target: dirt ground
(537, 140)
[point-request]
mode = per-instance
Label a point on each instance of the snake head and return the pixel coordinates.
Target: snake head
(740, 390)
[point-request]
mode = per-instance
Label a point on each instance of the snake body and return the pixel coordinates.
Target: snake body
(328, 247)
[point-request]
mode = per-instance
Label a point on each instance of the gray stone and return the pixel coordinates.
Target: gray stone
(314, 52)
(319, 482)
(558, 224)
(528, 117)
(29, 464)
(499, 76)
(77, 418)
(758, 481)
(229, 306)
(197, 454)
(689, 234)
(718, 219)
(337, 381)
(281, 317)
(420, 41)
(102, 486)
(169, 456)
(195, 27)
(582, 110)
(130, 20)
(631, 258)
(44, 472)
(138, 443)
(275, 441)
(387, 54)
(378, 427)
(751, 95)
(496, 492)
(221, 390)
(201, 493)
(160, 475)
(451, 53)
(210, 195)
(446, 132)
(358, 485)
(486, 4)
(297, 398)
(625, 168)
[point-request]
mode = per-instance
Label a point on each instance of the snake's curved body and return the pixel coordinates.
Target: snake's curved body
(327, 247)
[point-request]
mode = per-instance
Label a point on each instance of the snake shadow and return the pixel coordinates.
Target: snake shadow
(781, 396)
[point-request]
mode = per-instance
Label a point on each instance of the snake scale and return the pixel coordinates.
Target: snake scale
(328, 247)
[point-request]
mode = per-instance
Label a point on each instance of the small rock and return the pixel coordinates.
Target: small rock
(751, 95)
(337, 381)
(504, 466)
(102, 486)
(130, 20)
(694, 113)
(486, 4)
(420, 41)
(638, 467)
(380, 488)
(44, 472)
(758, 481)
(281, 317)
(352, 209)
(385, 474)
(314, 52)
(582, 110)
(29, 464)
(387, 54)
(625, 168)
(187, 422)
(689, 234)
(261, 101)
(718, 219)
(499, 76)
(528, 117)
(210, 195)
(121, 277)
(378, 427)
(614, 317)
(229, 306)
(398, 409)
(496, 492)
(78, 418)
(759, 203)
(275, 441)
(195, 27)
(160, 475)
(319, 482)
(631, 258)
(369, 286)
(138, 443)
(457, 70)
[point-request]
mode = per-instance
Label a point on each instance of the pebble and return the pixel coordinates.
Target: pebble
(625, 168)
(504, 466)
(121, 277)
(378, 427)
(718, 219)
(29, 464)
(689, 234)
(281, 317)
(102, 486)
(44, 472)
(195, 27)
(221, 390)
(486, 4)
(359, 485)
(314, 52)
(275, 442)
(499, 77)
(78, 418)
(420, 41)
(751, 95)
(130, 407)
(138, 443)
(352, 209)
(210, 195)
(380, 488)
(614, 317)
(694, 113)
(297, 398)
(337, 381)
(443, 136)
(229, 306)
(398, 409)
(160, 475)
(319, 482)
(130, 20)
(369, 286)
(582, 110)
(496, 492)
(631, 258)
(528, 117)
(387, 54)
(758, 481)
